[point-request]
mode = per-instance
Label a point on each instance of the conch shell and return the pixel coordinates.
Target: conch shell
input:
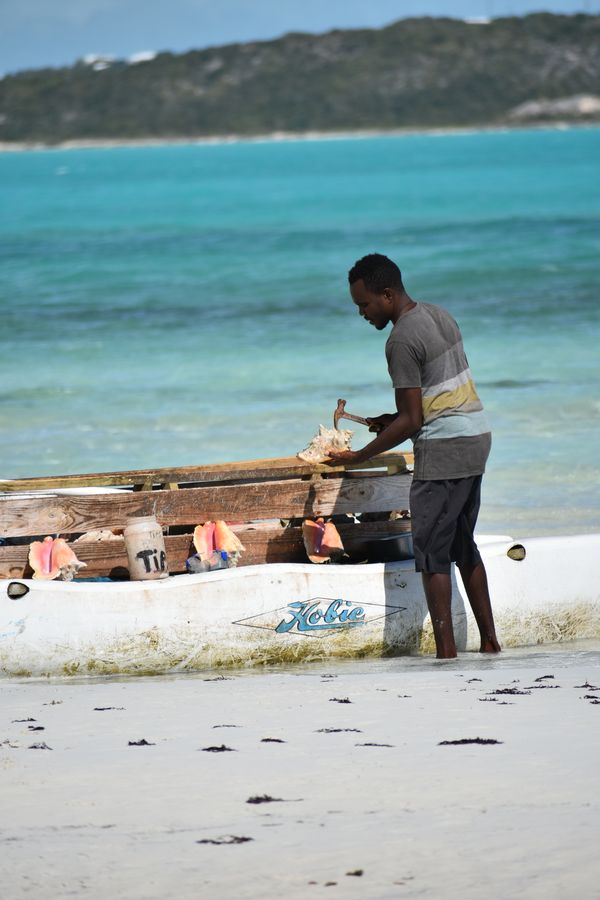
(225, 539)
(101, 534)
(53, 558)
(321, 540)
(327, 439)
(204, 539)
(215, 536)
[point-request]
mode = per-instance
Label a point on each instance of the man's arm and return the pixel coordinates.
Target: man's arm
(408, 421)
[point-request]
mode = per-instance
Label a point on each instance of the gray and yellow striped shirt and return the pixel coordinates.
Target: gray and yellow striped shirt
(425, 350)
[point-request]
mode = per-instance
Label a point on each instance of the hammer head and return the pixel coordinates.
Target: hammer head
(339, 412)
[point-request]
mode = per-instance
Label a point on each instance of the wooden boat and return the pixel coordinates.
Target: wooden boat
(275, 606)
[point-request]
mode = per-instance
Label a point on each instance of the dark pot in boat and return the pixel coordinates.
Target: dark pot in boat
(392, 548)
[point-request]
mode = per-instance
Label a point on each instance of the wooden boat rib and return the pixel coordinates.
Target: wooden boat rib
(246, 470)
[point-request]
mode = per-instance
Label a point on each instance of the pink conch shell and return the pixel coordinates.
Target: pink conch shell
(225, 539)
(215, 536)
(53, 558)
(204, 539)
(321, 540)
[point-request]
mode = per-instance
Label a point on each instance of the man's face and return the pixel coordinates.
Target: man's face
(375, 308)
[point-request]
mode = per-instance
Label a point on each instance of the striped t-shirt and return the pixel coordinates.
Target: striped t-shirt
(425, 350)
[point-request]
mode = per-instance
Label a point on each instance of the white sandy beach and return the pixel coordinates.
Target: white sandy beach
(279, 136)
(359, 787)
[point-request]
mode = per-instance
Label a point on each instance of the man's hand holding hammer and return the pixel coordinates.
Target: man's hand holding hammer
(379, 423)
(391, 428)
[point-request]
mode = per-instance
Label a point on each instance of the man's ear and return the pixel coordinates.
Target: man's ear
(387, 295)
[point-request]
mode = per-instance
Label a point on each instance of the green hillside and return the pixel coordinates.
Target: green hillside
(415, 73)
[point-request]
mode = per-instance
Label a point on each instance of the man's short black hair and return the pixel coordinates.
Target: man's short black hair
(378, 273)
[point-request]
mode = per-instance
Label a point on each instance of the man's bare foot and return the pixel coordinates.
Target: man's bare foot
(490, 645)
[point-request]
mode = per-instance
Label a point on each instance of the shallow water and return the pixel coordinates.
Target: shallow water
(556, 656)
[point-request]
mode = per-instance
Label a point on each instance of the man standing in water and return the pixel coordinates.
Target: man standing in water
(438, 407)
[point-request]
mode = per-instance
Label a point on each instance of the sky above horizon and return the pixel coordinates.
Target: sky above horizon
(39, 33)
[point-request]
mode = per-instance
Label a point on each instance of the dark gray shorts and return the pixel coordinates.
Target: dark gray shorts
(443, 515)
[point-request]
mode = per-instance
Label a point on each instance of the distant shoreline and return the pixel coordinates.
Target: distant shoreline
(286, 136)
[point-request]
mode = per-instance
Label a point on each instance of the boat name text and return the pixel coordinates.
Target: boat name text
(312, 617)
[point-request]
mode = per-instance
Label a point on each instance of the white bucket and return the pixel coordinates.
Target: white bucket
(146, 551)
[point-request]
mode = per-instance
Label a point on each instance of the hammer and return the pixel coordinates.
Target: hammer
(340, 413)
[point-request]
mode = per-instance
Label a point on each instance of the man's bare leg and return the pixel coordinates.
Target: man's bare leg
(438, 591)
(476, 585)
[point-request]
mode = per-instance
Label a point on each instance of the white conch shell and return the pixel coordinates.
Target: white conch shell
(326, 439)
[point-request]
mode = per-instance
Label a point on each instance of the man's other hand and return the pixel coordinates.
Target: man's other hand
(343, 456)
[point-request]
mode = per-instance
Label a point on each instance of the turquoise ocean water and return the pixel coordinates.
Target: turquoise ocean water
(188, 304)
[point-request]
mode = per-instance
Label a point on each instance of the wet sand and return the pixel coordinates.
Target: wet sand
(332, 778)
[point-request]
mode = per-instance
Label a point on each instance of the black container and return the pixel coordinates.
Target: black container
(393, 548)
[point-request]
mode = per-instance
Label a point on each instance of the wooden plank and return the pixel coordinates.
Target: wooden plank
(221, 472)
(75, 514)
(265, 542)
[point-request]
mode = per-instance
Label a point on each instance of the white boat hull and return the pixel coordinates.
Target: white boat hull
(288, 612)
